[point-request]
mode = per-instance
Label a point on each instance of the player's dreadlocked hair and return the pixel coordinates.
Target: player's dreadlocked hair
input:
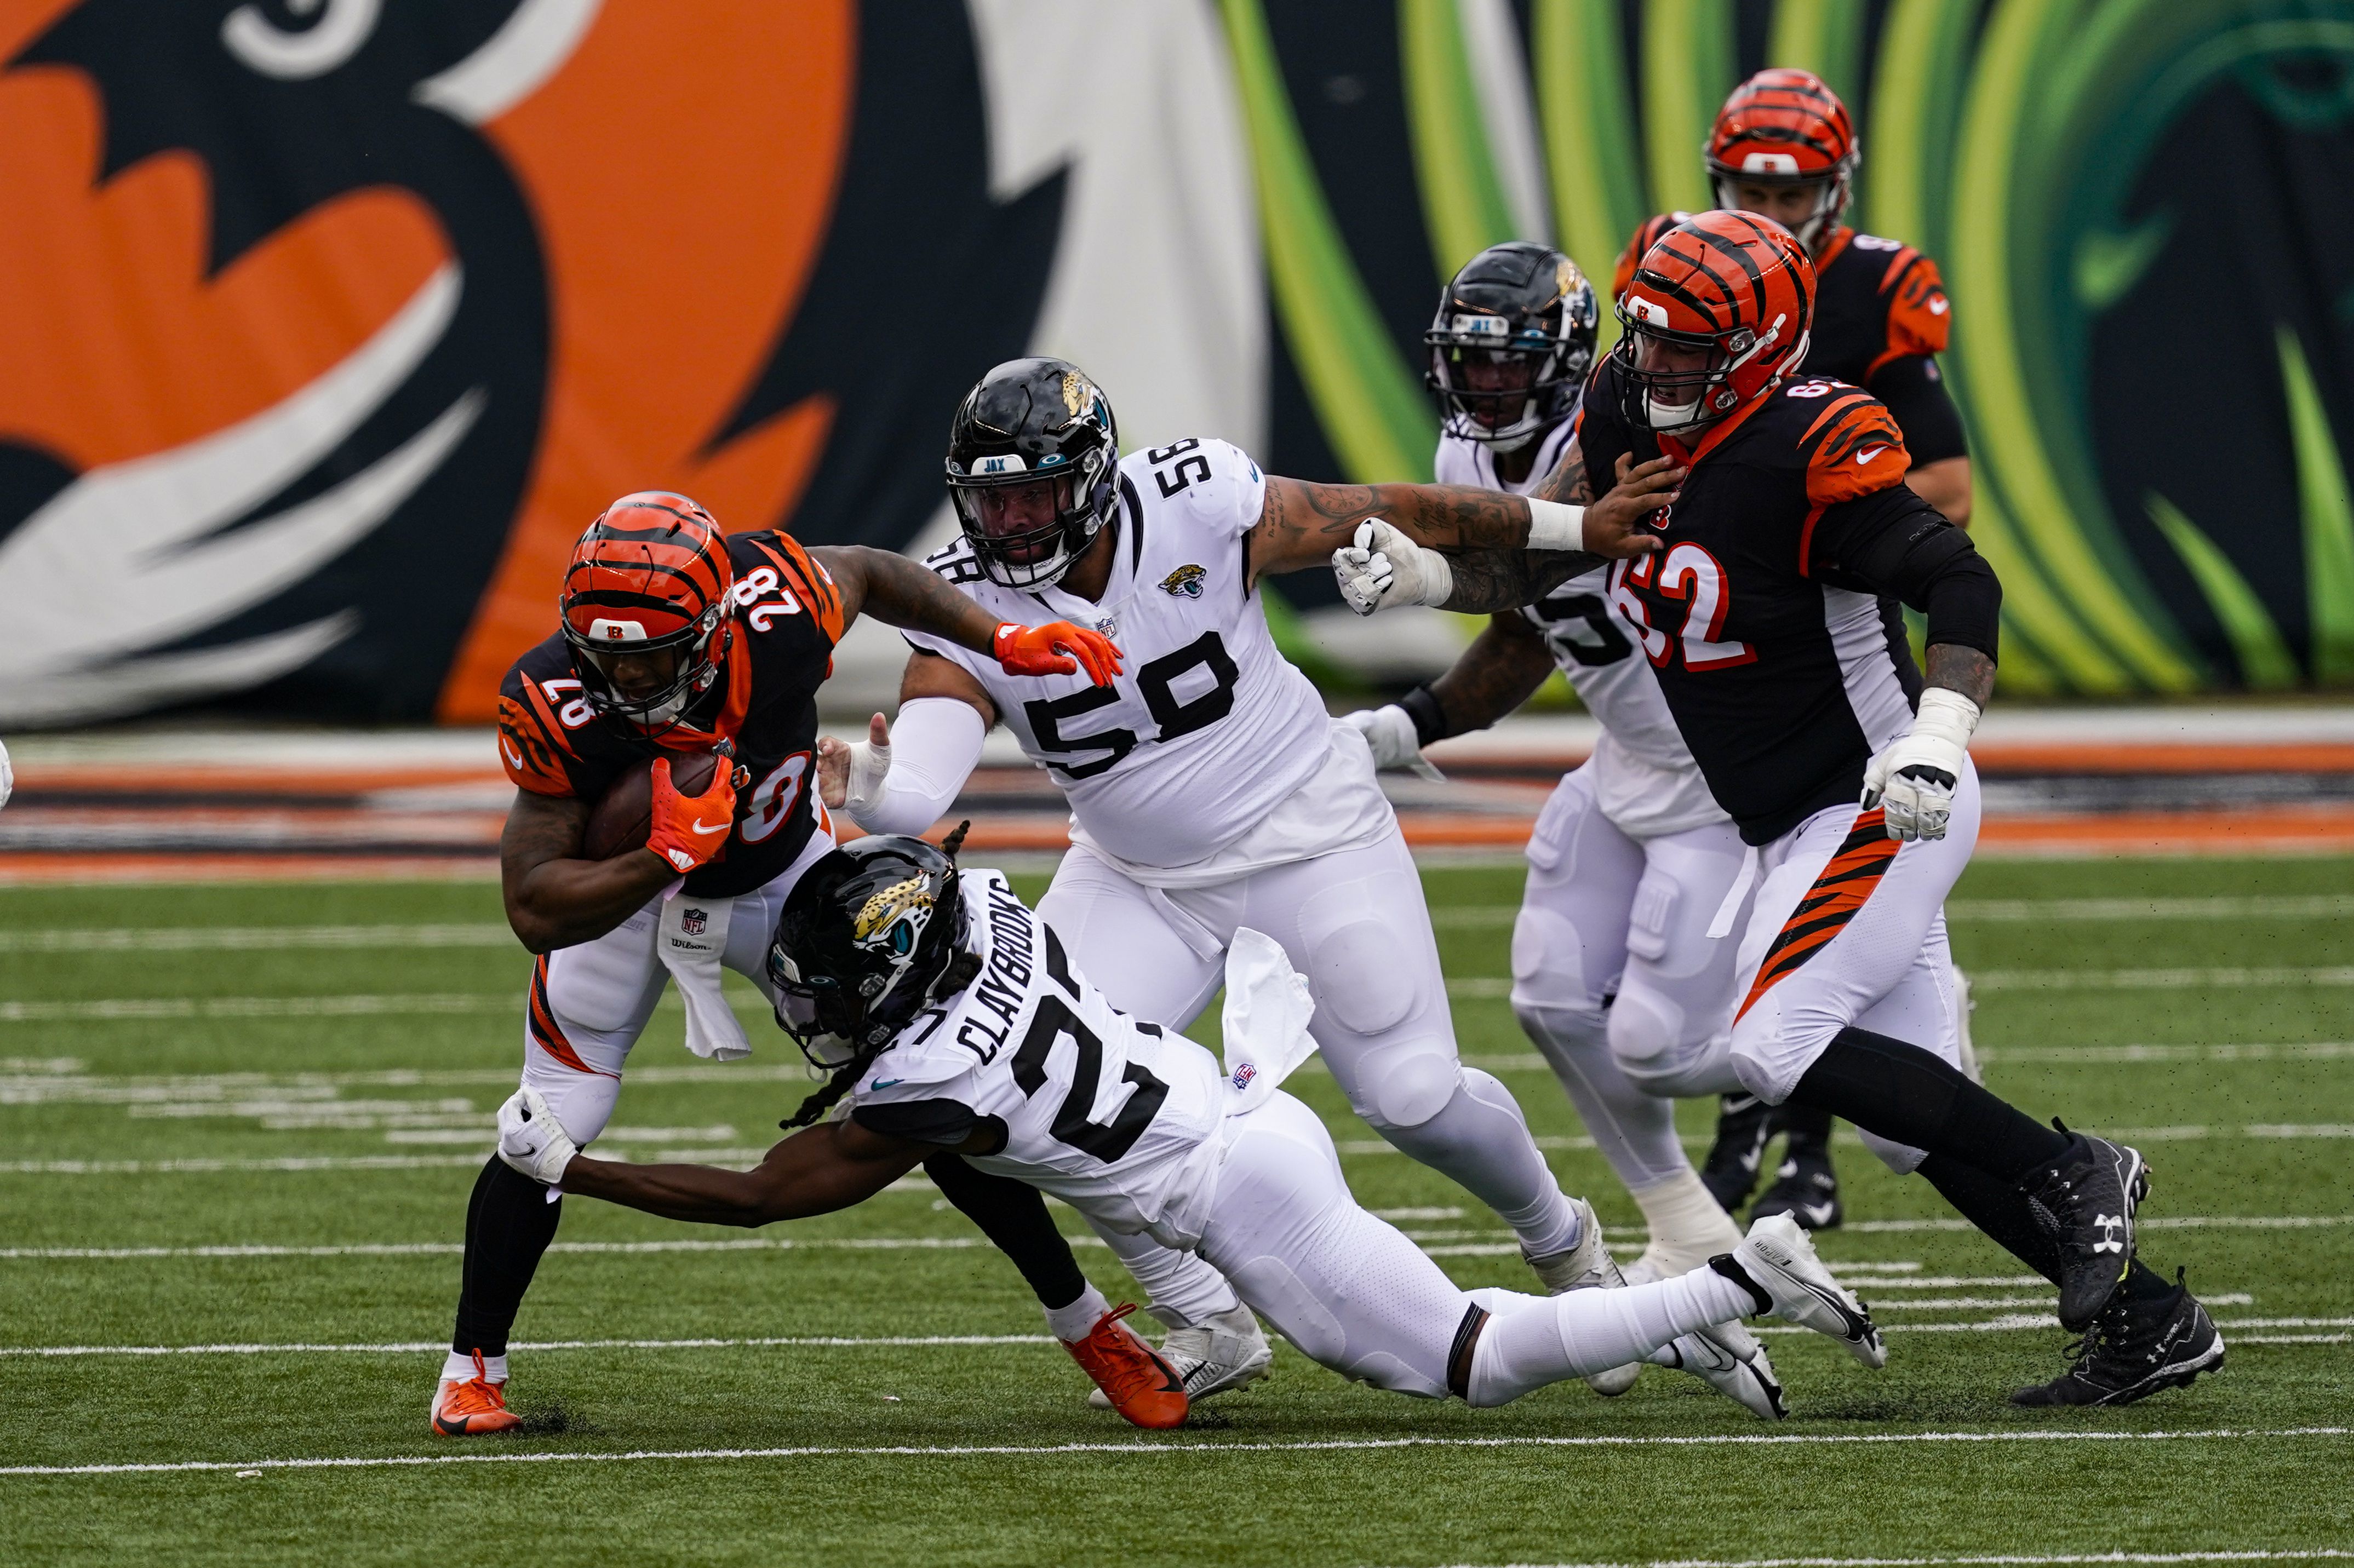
(849, 904)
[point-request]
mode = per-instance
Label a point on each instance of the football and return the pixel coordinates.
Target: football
(624, 816)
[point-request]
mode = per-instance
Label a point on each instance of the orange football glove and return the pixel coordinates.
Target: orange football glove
(1042, 650)
(690, 829)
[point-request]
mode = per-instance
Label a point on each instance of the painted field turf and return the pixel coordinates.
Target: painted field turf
(288, 1166)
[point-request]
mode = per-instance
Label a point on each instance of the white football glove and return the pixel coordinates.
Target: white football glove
(1913, 776)
(7, 777)
(1381, 568)
(1389, 732)
(531, 1141)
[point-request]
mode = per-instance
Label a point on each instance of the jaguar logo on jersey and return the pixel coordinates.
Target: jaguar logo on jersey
(1185, 582)
(894, 918)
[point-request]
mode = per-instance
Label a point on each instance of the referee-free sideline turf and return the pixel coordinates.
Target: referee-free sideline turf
(211, 1137)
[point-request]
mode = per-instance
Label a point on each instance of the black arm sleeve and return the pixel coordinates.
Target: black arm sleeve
(1894, 544)
(1913, 388)
(1015, 1217)
(943, 1122)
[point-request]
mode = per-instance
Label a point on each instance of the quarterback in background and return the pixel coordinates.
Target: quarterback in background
(1785, 147)
(1615, 975)
(672, 640)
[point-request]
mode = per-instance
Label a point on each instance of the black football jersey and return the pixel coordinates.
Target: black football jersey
(786, 621)
(1881, 320)
(1781, 670)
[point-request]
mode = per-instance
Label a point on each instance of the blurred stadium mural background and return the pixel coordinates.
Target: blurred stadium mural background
(325, 324)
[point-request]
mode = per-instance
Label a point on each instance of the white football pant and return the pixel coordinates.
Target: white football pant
(1355, 1294)
(1354, 923)
(1848, 928)
(588, 1004)
(1605, 914)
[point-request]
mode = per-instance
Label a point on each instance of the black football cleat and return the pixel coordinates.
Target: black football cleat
(1730, 1172)
(2085, 1201)
(1806, 1188)
(2133, 1350)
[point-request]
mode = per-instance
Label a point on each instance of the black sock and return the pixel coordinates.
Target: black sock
(1015, 1217)
(1911, 1095)
(1807, 1127)
(1997, 1207)
(509, 1222)
(2143, 1283)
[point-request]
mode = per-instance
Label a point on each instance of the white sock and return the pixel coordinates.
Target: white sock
(1179, 1289)
(1687, 1228)
(1563, 1337)
(1480, 1139)
(1072, 1323)
(457, 1368)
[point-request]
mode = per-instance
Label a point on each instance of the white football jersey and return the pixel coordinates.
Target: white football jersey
(1118, 1118)
(1646, 781)
(1209, 728)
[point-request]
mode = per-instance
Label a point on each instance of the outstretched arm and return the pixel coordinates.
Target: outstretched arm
(819, 1168)
(902, 592)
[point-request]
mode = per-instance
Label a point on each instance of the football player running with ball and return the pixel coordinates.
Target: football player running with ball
(1760, 614)
(963, 1023)
(1632, 856)
(672, 638)
(1784, 146)
(1209, 788)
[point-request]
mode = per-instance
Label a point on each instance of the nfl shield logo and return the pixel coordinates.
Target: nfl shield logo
(1107, 625)
(691, 921)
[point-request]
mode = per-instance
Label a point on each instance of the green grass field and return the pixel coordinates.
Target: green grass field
(210, 1138)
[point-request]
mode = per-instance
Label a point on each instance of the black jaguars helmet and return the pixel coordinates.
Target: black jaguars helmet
(1512, 343)
(1032, 454)
(864, 938)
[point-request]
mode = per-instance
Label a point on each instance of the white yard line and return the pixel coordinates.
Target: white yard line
(2034, 911)
(2040, 1559)
(1148, 1447)
(849, 1341)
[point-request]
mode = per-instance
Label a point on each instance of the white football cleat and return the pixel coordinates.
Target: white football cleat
(1587, 1267)
(1778, 1260)
(1734, 1363)
(1229, 1351)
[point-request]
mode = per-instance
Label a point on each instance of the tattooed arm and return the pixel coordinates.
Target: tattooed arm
(1491, 581)
(901, 592)
(1502, 669)
(1959, 668)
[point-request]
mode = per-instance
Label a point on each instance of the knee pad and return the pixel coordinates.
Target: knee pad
(1405, 1085)
(1271, 1290)
(1901, 1158)
(1756, 1076)
(1360, 978)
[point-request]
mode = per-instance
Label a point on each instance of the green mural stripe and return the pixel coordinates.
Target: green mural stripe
(1825, 36)
(2265, 663)
(1916, 101)
(1589, 136)
(2326, 513)
(2094, 635)
(1455, 167)
(1687, 73)
(1370, 404)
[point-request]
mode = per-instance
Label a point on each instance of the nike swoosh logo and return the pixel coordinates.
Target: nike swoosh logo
(886, 1083)
(1818, 1212)
(702, 827)
(513, 755)
(1868, 453)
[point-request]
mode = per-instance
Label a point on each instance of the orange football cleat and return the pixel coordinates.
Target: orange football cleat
(1140, 1385)
(477, 1406)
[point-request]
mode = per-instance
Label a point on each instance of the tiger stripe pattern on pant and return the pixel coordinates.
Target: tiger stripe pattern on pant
(1846, 880)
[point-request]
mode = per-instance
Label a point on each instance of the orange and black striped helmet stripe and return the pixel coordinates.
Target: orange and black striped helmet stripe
(1783, 111)
(1838, 892)
(1730, 269)
(654, 558)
